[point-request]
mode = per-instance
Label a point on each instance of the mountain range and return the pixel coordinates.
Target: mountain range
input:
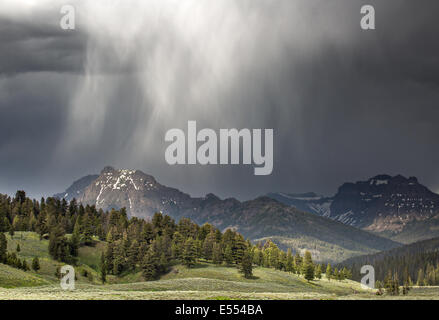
(395, 207)
(259, 219)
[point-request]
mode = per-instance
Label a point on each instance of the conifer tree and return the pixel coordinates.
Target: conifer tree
(379, 286)
(239, 248)
(3, 247)
(282, 262)
(189, 253)
(389, 284)
(318, 272)
(208, 245)
(109, 257)
(177, 245)
(308, 267)
(217, 254)
(257, 256)
(75, 240)
(87, 232)
(163, 263)
(149, 265)
(24, 265)
(289, 262)
(298, 263)
(36, 264)
(228, 255)
(119, 262)
(103, 269)
(11, 231)
(246, 266)
(18, 249)
(328, 272)
(273, 252)
(132, 253)
(337, 274)
(420, 279)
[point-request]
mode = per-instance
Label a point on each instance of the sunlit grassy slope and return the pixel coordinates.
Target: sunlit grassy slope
(205, 281)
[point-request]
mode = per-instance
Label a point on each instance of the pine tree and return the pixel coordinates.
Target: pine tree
(389, 283)
(189, 253)
(177, 246)
(273, 252)
(308, 267)
(298, 263)
(109, 257)
(217, 254)
(119, 262)
(396, 284)
(36, 264)
(11, 231)
(18, 249)
(87, 232)
(103, 271)
(24, 266)
(3, 247)
(228, 255)
(132, 255)
(208, 245)
(290, 261)
(163, 263)
(75, 240)
(328, 272)
(420, 280)
(246, 266)
(318, 272)
(149, 265)
(336, 274)
(58, 272)
(379, 286)
(239, 248)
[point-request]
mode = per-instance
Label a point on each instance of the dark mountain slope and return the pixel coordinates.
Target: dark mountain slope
(408, 259)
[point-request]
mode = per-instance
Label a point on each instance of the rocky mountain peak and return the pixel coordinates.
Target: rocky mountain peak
(385, 204)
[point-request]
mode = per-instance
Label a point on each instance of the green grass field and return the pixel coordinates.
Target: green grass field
(205, 281)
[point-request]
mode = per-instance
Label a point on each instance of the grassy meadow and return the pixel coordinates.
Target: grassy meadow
(204, 281)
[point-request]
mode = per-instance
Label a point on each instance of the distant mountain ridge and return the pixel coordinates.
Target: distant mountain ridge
(397, 207)
(76, 190)
(261, 218)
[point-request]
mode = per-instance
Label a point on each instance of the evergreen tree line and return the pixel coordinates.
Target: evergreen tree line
(391, 284)
(414, 264)
(151, 246)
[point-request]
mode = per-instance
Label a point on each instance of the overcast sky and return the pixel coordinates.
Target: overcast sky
(345, 104)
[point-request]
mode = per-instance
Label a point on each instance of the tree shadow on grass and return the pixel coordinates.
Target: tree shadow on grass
(253, 278)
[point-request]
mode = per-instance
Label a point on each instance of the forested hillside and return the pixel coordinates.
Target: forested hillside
(136, 244)
(416, 263)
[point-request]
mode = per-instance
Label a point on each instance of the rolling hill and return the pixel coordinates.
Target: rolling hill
(204, 281)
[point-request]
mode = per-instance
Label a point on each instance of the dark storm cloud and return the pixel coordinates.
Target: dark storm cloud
(345, 104)
(37, 43)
